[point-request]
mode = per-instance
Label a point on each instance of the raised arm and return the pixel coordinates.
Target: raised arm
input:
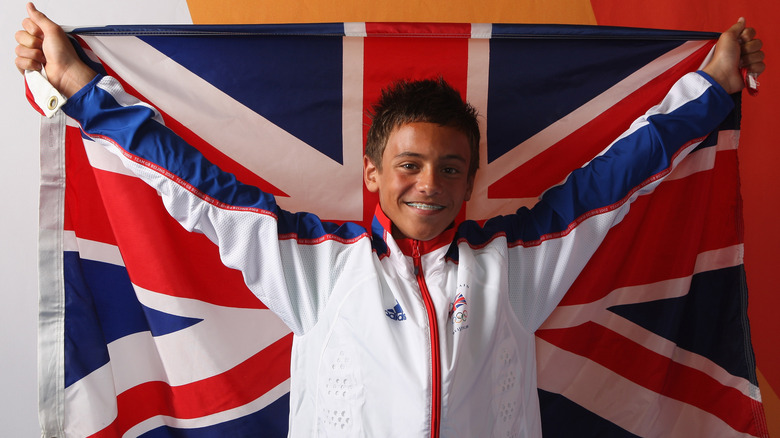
(558, 236)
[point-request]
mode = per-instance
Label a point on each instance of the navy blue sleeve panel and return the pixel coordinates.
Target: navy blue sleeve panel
(137, 129)
(643, 155)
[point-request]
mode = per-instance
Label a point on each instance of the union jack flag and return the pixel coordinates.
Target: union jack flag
(145, 333)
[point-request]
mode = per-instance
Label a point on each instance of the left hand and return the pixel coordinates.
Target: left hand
(737, 48)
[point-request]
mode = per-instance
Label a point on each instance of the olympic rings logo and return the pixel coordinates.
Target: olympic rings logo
(459, 317)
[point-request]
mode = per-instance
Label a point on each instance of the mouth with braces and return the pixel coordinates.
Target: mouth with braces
(424, 206)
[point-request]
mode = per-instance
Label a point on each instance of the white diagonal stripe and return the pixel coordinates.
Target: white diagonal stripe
(210, 420)
(667, 348)
(92, 249)
(629, 405)
(574, 315)
(228, 125)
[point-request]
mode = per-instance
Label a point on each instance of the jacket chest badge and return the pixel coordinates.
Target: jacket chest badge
(459, 314)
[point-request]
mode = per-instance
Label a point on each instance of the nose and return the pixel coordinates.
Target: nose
(429, 182)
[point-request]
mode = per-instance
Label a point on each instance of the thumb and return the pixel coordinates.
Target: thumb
(42, 24)
(736, 29)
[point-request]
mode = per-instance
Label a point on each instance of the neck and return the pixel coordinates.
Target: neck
(406, 243)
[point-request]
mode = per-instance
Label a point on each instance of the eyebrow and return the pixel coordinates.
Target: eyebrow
(456, 157)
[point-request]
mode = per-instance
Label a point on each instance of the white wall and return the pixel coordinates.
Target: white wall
(19, 195)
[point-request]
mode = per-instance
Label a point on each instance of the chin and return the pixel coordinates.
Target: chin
(425, 235)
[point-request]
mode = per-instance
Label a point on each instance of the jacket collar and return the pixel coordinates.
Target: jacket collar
(407, 245)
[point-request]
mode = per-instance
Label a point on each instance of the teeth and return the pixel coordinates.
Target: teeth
(422, 206)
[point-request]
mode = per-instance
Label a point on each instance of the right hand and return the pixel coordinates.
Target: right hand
(44, 45)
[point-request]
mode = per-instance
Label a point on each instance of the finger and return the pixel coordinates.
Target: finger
(751, 59)
(23, 64)
(756, 68)
(23, 38)
(752, 46)
(747, 34)
(33, 54)
(31, 27)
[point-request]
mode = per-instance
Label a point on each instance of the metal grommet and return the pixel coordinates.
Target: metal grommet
(53, 101)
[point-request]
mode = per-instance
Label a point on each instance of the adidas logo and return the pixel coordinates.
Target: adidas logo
(396, 313)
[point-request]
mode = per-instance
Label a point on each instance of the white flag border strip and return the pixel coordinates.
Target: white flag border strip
(51, 282)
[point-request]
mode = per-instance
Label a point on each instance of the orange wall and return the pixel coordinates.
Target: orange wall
(456, 11)
(759, 158)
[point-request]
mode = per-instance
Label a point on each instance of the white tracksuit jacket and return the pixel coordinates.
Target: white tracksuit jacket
(406, 338)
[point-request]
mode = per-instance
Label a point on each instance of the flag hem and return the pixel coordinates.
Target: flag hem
(51, 285)
(391, 29)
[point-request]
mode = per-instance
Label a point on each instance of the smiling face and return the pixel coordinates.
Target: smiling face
(423, 178)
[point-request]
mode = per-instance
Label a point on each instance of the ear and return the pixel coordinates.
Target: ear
(469, 187)
(370, 172)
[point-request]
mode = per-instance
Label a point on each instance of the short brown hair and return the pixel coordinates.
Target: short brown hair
(427, 100)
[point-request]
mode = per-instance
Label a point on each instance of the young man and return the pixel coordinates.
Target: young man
(419, 326)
